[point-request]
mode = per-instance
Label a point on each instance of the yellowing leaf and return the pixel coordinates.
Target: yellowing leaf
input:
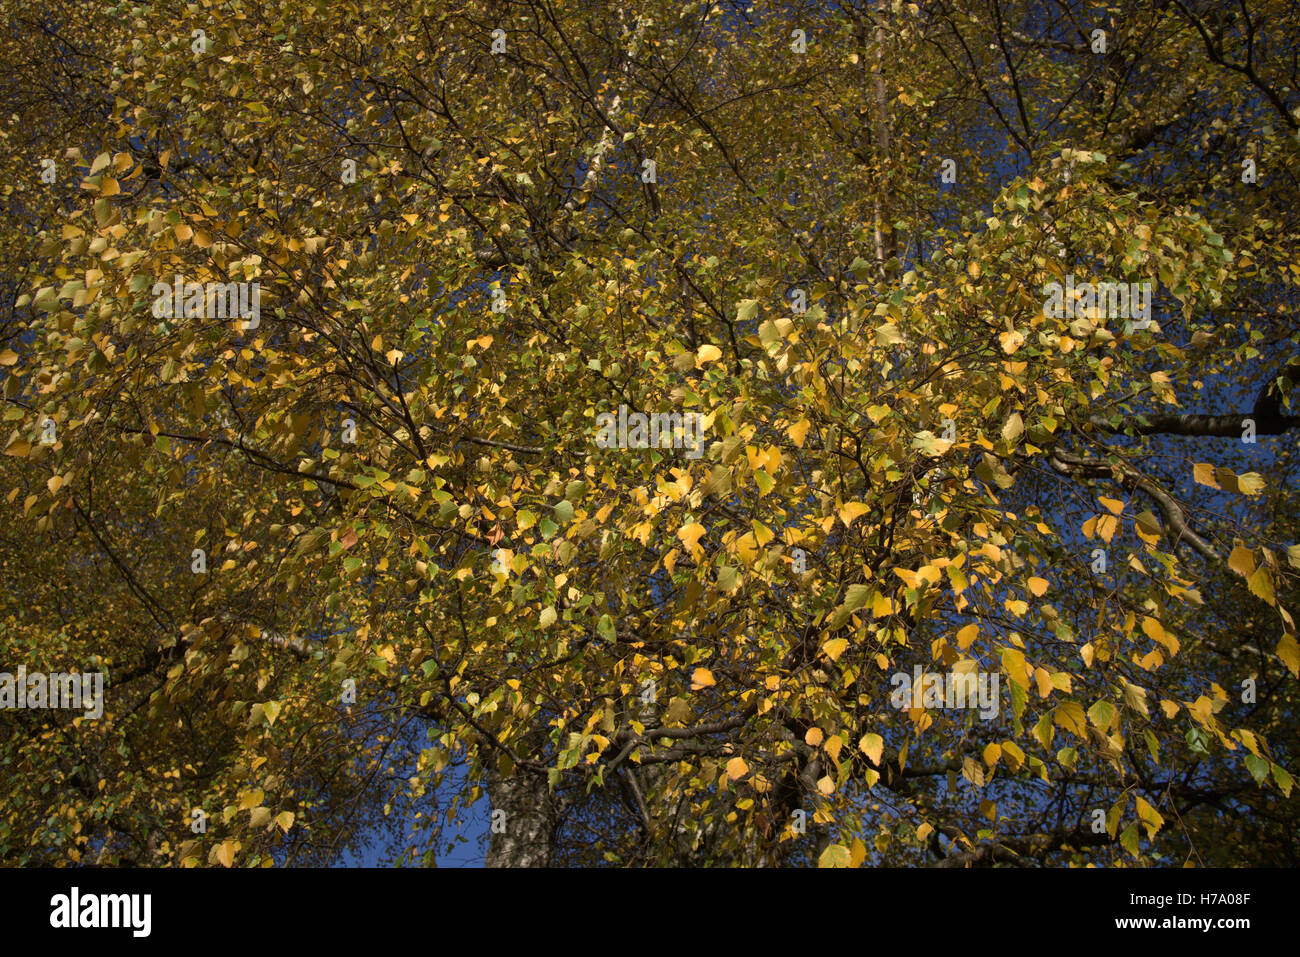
(1261, 584)
(852, 510)
(992, 753)
(1250, 483)
(1013, 663)
(1013, 427)
(1044, 682)
(707, 353)
(966, 636)
(690, 536)
(1289, 652)
(835, 647)
(1203, 472)
(702, 678)
(737, 768)
(1069, 715)
(835, 855)
(1156, 632)
(1149, 817)
(1241, 560)
(888, 335)
(1134, 696)
(1037, 586)
(873, 746)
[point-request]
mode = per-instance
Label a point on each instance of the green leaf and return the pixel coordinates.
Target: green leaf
(1258, 767)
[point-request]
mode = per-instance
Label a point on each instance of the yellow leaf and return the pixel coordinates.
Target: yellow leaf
(1147, 527)
(690, 536)
(873, 746)
(8, 357)
(1250, 483)
(1013, 427)
(1241, 560)
(798, 431)
(1260, 583)
(226, 853)
(833, 745)
(826, 785)
(813, 737)
(1203, 472)
(966, 636)
(888, 335)
(857, 853)
(1015, 757)
(851, 511)
(702, 678)
(992, 753)
(1289, 652)
(285, 820)
(737, 768)
(1013, 663)
(835, 647)
(1135, 696)
(1156, 632)
(1069, 715)
(881, 607)
(1114, 504)
(707, 353)
(1106, 526)
(1037, 586)
(835, 855)
(1149, 817)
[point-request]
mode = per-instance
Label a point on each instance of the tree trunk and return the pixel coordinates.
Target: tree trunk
(524, 836)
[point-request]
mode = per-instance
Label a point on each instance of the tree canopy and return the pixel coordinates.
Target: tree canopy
(358, 556)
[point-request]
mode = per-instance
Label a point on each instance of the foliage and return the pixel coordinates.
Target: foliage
(943, 454)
